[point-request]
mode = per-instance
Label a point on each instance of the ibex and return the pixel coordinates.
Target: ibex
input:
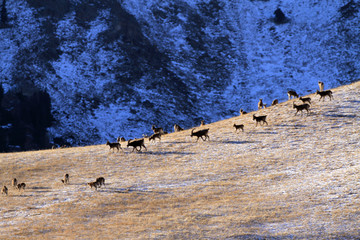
(301, 107)
(114, 145)
(177, 128)
(14, 183)
(66, 179)
(239, 126)
(154, 136)
(321, 86)
(323, 94)
(305, 100)
(261, 104)
(93, 184)
(260, 119)
(21, 186)
(275, 102)
(292, 94)
(242, 112)
(157, 130)
(120, 139)
(4, 190)
(100, 181)
(202, 123)
(200, 134)
(136, 143)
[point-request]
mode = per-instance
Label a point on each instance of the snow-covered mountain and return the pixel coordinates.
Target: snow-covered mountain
(114, 68)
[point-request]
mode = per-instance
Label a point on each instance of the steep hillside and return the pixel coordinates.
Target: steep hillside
(296, 177)
(113, 68)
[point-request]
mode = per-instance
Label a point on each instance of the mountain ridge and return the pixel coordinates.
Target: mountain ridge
(114, 68)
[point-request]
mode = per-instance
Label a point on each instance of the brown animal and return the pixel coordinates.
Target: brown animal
(237, 127)
(260, 119)
(177, 128)
(323, 94)
(200, 134)
(321, 86)
(114, 145)
(275, 102)
(292, 94)
(157, 130)
(120, 139)
(66, 179)
(261, 104)
(242, 112)
(100, 181)
(202, 123)
(154, 136)
(4, 190)
(301, 107)
(14, 182)
(21, 186)
(93, 185)
(136, 143)
(305, 100)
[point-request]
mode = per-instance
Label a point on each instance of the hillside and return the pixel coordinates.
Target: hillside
(297, 178)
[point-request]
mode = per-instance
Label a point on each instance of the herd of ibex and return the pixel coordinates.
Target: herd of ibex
(15, 185)
(138, 144)
(100, 181)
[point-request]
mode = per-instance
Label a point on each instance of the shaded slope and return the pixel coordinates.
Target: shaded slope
(113, 68)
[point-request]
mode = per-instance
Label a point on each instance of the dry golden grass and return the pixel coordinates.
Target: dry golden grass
(297, 178)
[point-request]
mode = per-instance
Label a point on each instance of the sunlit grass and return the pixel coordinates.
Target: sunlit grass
(295, 178)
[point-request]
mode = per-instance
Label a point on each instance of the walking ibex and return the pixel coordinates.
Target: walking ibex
(323, 94)
(260, 119)
(100, 181)
(114, 145)
(136, 143)
(238, 126)
(292, 94)
(305, 99)
(154, 136)
(301, 107)
(200, 134)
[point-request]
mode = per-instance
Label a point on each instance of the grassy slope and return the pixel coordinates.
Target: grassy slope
(298, 177)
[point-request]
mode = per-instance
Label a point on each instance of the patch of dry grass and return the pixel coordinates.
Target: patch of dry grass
(295, 178)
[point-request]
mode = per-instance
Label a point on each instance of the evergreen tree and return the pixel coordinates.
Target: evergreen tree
(4, 16)
(1, 93)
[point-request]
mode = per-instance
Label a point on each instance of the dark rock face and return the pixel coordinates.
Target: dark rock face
(350, 9)
(280, 17)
